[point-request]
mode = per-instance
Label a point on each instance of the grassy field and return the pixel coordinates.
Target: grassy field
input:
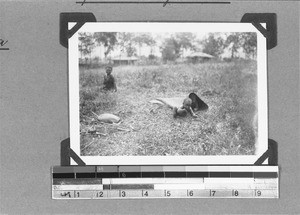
(226, 128)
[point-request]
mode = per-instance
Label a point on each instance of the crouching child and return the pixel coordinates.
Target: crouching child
(184, 109)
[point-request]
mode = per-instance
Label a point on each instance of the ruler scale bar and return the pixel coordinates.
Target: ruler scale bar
(121, 182)
(168, 193)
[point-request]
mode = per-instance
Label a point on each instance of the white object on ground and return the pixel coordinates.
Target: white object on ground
(108, 118)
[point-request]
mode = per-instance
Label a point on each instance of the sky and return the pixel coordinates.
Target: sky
(159, 38)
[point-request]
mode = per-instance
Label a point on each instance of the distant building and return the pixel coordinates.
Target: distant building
(197, 57)
(124, 60)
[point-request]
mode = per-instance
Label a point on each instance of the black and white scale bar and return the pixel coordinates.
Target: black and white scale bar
(130, 174)
(153, 174)
(86, 175)
(169, 175)
(197, 174)
(107, 175)
(63, 175)
(219, 174)
(265, 174)
(123, 182)
(168, 172)
(128, 187)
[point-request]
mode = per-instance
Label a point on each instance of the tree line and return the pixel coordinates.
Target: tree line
(172, 47)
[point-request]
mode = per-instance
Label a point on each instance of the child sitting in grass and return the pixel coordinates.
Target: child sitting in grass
(109, 80)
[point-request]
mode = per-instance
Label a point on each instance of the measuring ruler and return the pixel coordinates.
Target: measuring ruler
(123, 182)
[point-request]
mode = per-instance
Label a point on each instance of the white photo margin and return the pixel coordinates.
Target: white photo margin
(262, 98)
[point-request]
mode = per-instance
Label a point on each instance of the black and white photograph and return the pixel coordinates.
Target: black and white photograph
(149, 107)
(168, 92)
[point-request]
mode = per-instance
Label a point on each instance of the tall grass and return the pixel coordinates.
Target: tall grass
(229, 89)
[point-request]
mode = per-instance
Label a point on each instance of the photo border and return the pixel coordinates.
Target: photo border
(262, 98)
